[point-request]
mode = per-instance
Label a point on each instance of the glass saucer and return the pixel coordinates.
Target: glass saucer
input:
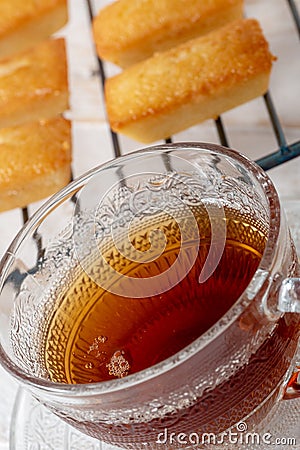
(33, 427)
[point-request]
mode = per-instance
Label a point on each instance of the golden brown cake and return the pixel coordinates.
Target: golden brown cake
(34, 161)
(128, 31)
(34, 84)
(24, 23)
(188, 84)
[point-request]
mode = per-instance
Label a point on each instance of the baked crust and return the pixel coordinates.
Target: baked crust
(128, 31)
(34, 84)
(34, 161)
(24, 23)
(188, 84)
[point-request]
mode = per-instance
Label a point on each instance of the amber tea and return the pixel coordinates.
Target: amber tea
(106, 336)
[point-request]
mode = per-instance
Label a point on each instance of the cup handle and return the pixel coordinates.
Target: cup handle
(289, 301)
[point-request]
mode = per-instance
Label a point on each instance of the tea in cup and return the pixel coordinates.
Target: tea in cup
(158, 295)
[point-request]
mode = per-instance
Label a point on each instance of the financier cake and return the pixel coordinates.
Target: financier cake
(34, 161)
(198, 80)
(34, 84)
(24, 23)
(128, 31)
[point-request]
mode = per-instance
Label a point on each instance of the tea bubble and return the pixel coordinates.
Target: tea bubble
(118, 365)
(89, 365)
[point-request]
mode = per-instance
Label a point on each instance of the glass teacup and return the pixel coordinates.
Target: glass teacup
(156, 299)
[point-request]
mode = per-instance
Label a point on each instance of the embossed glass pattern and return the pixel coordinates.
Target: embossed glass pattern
(237, 368)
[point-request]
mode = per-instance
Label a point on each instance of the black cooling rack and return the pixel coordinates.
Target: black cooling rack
(285, 152)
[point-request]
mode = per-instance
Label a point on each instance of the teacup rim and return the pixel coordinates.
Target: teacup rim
(164, 366)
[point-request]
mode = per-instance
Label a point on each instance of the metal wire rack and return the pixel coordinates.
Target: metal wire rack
(285, 151)
(283, 154)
